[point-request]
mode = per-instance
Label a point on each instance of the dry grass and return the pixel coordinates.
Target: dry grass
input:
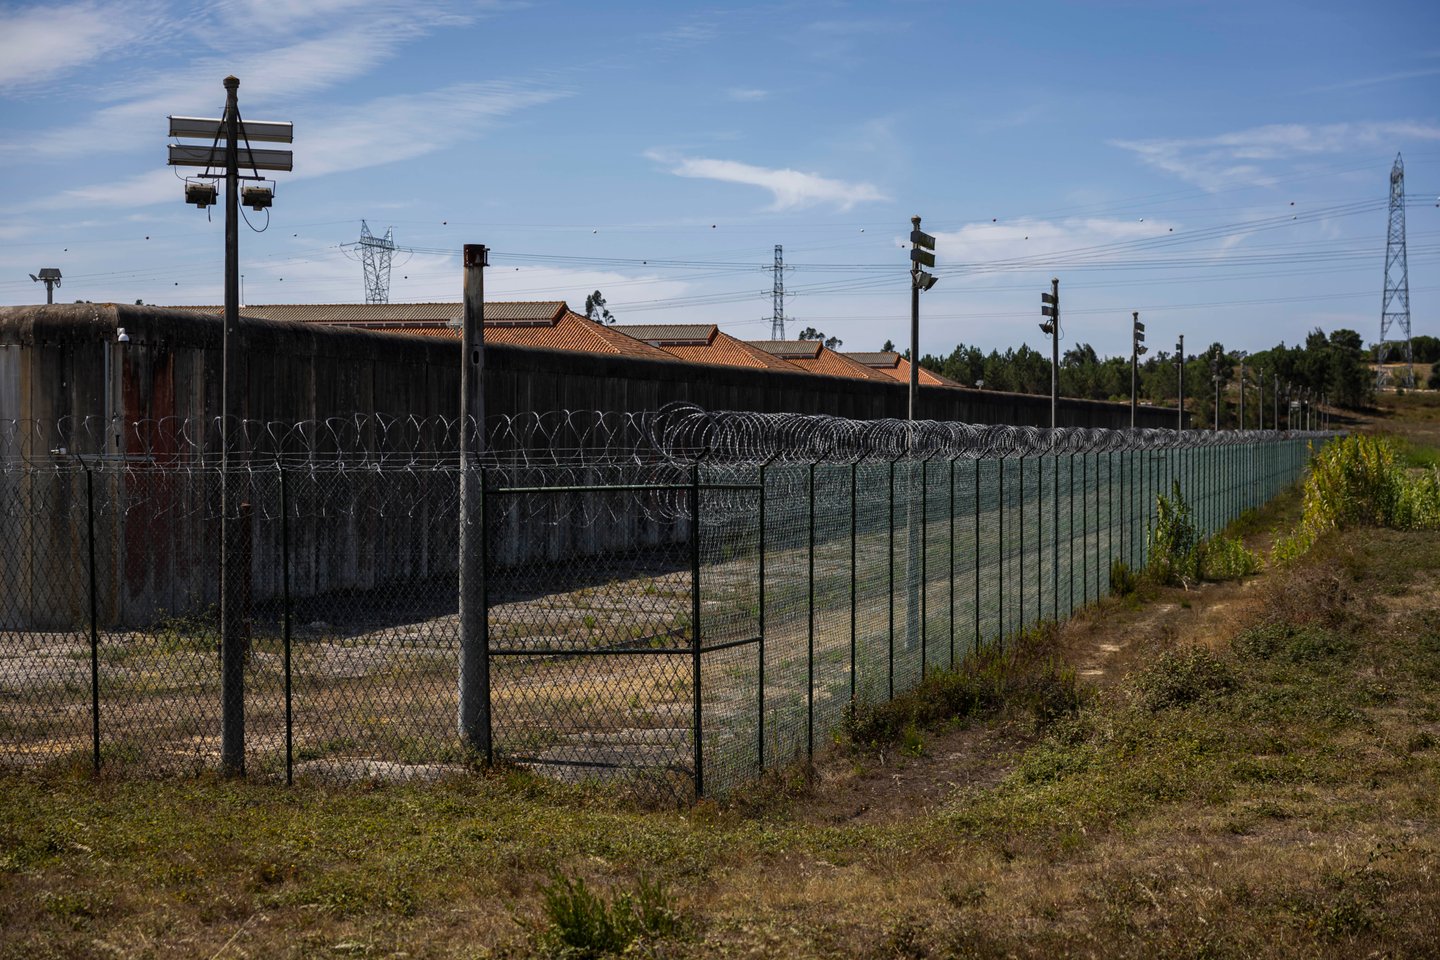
(1291, 812)
(1272, 795)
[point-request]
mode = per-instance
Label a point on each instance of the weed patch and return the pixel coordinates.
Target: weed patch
(1182, 678)
(1025, 679)
(583, 925)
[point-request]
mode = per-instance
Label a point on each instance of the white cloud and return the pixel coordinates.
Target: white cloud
(791, 189)
(379, 132)
(1250, 157)
(1025, 240)
(45, 42)
(155, 186)
(1373, 81)
(747, 94)
(403, 127)
(369, 34)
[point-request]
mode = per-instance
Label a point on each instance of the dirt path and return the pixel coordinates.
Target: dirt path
(1103, 643)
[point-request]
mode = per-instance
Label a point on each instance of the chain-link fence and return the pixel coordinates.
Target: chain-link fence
(678, 600)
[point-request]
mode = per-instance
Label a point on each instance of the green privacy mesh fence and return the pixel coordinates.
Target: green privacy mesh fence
(675, 600)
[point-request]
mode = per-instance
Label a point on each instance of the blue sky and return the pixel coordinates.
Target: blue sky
(1220, 167)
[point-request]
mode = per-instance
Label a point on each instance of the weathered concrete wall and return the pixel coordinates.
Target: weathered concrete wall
(156, 530)
(53, 361)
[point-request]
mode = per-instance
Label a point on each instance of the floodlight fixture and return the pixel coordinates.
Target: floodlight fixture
(257, 198)
(50, 276)
(924, 281)
(200, 193)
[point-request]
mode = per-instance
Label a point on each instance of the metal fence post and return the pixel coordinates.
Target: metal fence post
(890, 557)
(977, 555)
(1071, 577)
(854, 477)
(697, 695)
(924, 545)
(1000, 537)
(1055, 537)
(1085, 526)
(952, 563)
(810, 627)
(1020, 561)
(286, 614)
(94, 624)
(760, 672)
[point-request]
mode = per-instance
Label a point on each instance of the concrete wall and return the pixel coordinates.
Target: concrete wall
(157, 532)
(53, 363)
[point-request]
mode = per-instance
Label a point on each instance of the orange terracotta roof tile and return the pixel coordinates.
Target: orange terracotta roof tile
(571, 331)
(704, 343)
(814, 357)
(897, 367)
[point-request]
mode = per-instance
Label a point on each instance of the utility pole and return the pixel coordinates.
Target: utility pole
(50, 276)
(234, 531)
(1180, 362)
(1137, 347)
(1050, 309)
(1215, 376)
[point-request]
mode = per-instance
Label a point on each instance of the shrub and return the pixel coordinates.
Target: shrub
(1182, 678)
(1123, 580)
(1173, 554)
(1358, 480)
(584, 925)
(1226, 558)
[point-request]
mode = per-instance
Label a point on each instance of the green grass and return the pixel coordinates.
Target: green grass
(1270, 793)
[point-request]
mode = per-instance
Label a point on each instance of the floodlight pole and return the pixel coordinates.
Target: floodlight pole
(1242, 394)
(1276, 392)
(233, 641)
(914, 335)
(1180, 401)
(1055, 356)
(1134, 365)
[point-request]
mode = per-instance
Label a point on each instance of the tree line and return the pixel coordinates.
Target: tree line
(1334, 366)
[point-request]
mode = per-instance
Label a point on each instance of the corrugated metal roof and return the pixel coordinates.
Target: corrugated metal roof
(670, 334)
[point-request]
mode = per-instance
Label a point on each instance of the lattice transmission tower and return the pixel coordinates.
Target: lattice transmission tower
(777, 317)
(375, 256)
(1395, 310)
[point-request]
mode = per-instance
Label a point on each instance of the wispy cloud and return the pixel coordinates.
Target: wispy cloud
(403, 127)
(790, 189)
(1374, 81)
(154, 186)
(381, 131)
(988, 242)
(1252, 157)
(747, 94)
(45, 42)
(369, 34)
